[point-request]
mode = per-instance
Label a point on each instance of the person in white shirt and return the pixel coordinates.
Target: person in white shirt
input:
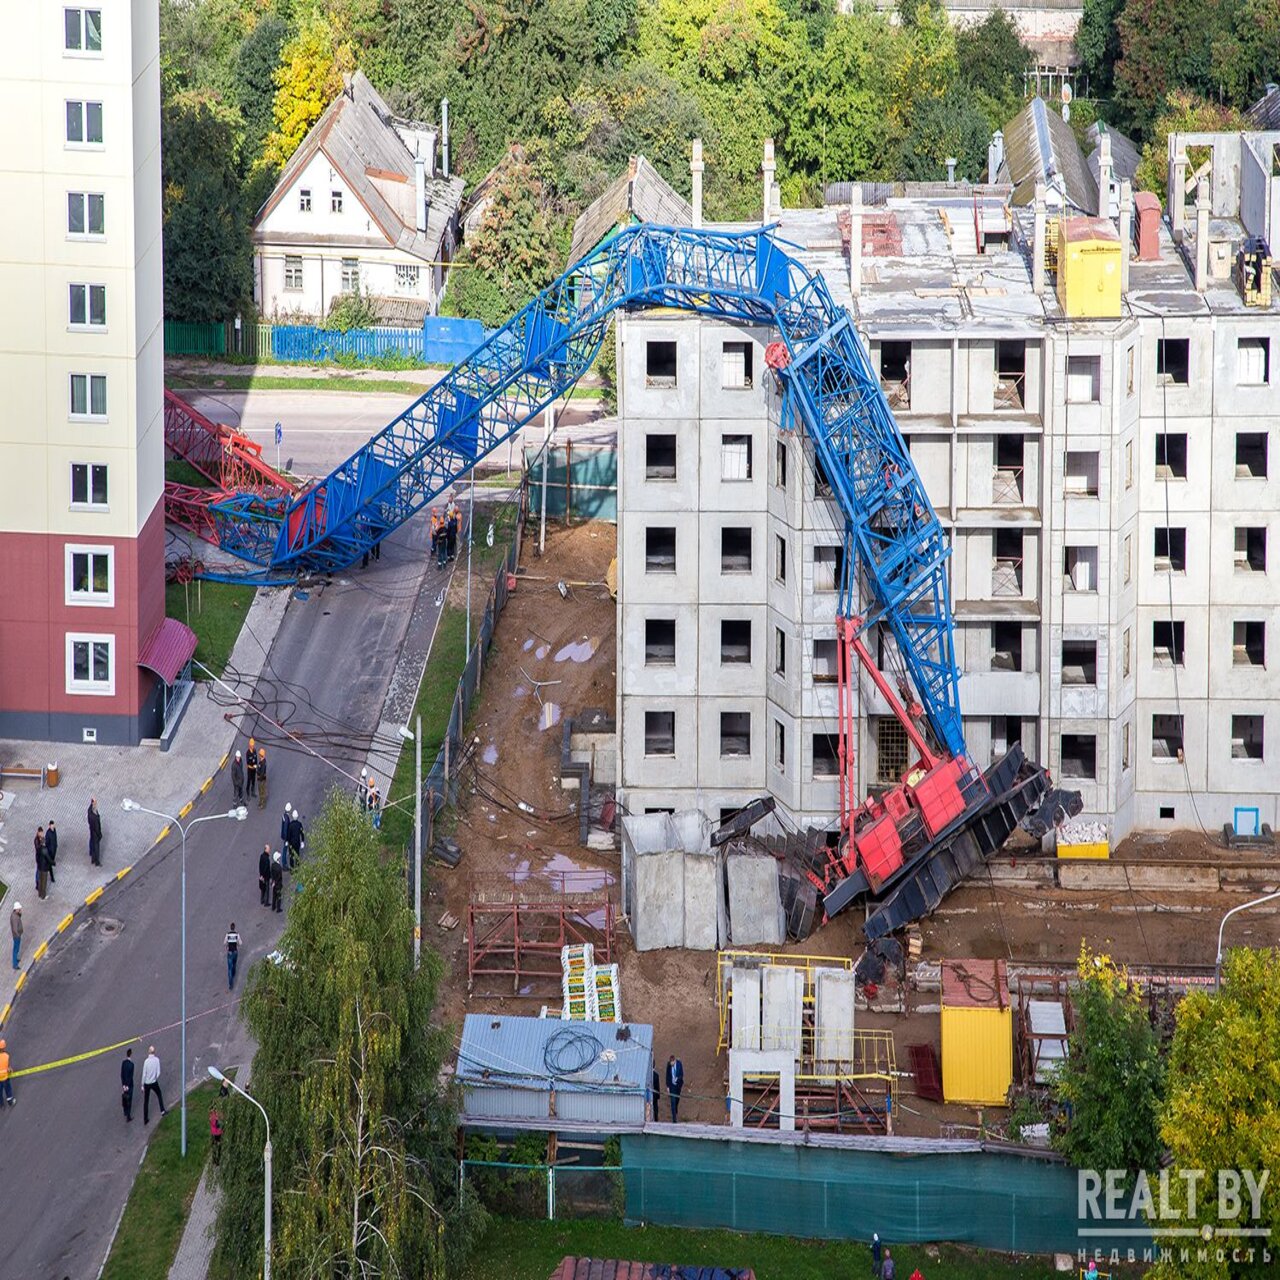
(150, 1082)
(233, 954)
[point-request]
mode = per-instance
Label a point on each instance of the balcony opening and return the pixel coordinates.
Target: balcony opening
(1011, 374)
(735, 733)
(826, 755)
(659, 364)
(659, 733)
(828, 568)
(1007, 479)
(735, 457)
(1166, 737)
(1080, 662)
(659, 456)
(1084, 379)
(1168, 643)
(825, 659)
(1173, 362)
(1005, 732)
(1079, 756)
(1080, 569)
(736, 361)
(735, 640)
(1007, 563)
(1006, 646)
(1249, 644)
(1080, 473)
(659, 642)
(1251, 549)
(1170, 547)
(735, 550)
(1246, 737)
(660, 549)
(1254, 361)
(1251, 455)
(1171, 455)
(895, 373)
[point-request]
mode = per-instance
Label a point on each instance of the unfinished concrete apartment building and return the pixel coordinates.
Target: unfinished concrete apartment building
(1091, 403)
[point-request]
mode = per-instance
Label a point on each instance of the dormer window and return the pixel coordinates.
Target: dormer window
(304, 200)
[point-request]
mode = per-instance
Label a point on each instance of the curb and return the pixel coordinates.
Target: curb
(65, 923)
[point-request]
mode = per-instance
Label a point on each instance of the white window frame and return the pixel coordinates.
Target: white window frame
(83, 51)
(84, 143)
(304, 199)
(288, 258)
(88, 415)
(89, 504)
(91, 598)
(408, 277)
(336, 199)
(350, 282)
(88, 323)
(84, 197)
(93, 688)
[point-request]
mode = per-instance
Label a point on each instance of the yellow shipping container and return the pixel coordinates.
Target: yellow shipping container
(977, 1032)
(1089, 268)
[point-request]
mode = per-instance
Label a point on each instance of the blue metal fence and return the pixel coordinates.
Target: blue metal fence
(439, 341)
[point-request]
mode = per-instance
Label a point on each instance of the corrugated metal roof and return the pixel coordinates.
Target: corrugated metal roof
(544, 1053)
(1124, 154)
(1265, 113)
(640, 192)
(975, 984)
(358, 133)
(169, 648)
(1040, 147)
(612, 1269)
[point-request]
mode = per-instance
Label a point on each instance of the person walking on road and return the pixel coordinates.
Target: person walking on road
(362, 791)
(15, 928)
(95, 833)
(237, 778)
(375, 804)
(215, 1134)
(51, 848)
(6, 1085)
(264, 876)
(126, 1085)
(675, 1085)
(42, 865)
(262, 777)
(657, 1091)
(233, 954)
(151, 1084)
(877, 1251)
(284, 822)
(277, 882)
(296, 838)
(251, 770)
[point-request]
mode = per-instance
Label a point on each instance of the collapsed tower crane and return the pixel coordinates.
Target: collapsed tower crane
(902, 851)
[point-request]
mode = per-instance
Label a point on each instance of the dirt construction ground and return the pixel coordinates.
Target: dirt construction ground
(554, 657)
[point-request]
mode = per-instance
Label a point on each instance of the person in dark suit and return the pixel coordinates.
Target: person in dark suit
(126, 1084)
(264, 876)
(51, 848)
(657, 1090)
(675, 1085)
(95, 833)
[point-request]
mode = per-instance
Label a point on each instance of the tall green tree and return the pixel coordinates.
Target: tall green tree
(1098, 43)
(1223, 1110)
(1182, 113)
(207, 253)
(348, 1068)
(255, 71)
(307, 81)
(1113, 1076)
(993, 63)
(950, 127)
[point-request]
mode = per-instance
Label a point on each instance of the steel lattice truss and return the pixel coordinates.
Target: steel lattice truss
(896, 550)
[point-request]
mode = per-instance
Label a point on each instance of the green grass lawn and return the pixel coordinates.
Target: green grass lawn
(285, 382)
(521, 1250)
(156, 1213)
(215, 611)
(179, 471)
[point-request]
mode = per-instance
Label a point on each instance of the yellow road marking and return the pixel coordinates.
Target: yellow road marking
(124, 871)
(94, 896)
(4, 1013)
(186, 808)
(205, 785)
(39, 952)
(164, 831)
(22, 977)
(66, 921)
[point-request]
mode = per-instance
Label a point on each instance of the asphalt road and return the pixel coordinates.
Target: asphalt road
(323, 428)
(67, 1158)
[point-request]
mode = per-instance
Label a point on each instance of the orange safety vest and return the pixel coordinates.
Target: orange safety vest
(4, 1065)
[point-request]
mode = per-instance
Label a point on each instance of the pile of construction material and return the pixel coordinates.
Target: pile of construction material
(592, 992)
(680, 891)
(1082, 833)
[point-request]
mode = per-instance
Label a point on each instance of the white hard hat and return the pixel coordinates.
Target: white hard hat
(276, 856)
(364, 772)
(286, 806)
(17, 906)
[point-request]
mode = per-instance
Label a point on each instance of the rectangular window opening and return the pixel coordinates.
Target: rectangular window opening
(735, 733)
(1084, 379)
(1080, 662)
(735, 640)
(825, 660)
(826, 755)
(659, 456)
(660, 549)
(1251, 549)
(736, 364)
(304, 200)
(1005, 732)
(1166, 737)
(1079, 756)
(1170, 547)
(659, 364)
(821, 481)
(88, 484)
(735, 457)
(1006, 646)
(293, 272)
(828, 568)
(1080, 569)
(1006, 563)
(1173, 361)
(659, 642)
(83, 30)
(780, 558)
(84, 123)
(1171, 455)
(407, 275)
(350, 275)
(1246, 737)
(335, 201)
(1011, 374)
(779, 746)
(659, 733)
(895, 373)
(1167, 813)
(1253, 361)
(1080, 473)
(780, 464)
(86, 213)
(1249, 644)
(735, 550)
(89, 395)
(1251, 455)
(891, 750)
(779, 652)
(1168, 642)
(1010, 470)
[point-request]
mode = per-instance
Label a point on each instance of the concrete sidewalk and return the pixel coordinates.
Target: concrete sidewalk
(165, 781)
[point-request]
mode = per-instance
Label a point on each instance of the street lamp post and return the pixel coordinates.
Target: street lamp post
(266, 1172)
(239, 814)
(1244, 906)
(417, 838)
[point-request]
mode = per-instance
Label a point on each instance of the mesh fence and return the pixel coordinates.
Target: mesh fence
(542, 1191)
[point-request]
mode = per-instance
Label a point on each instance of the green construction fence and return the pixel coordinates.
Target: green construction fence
(581, 480)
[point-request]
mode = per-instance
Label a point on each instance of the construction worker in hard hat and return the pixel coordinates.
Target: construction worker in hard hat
(452, 526)
(362, 791)
(6, 1085)
(439, 545)
(251, 769)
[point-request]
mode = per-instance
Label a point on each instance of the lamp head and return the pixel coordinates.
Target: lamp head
(240, 813)
(216, 1074)
(406, 733)
(129, 806)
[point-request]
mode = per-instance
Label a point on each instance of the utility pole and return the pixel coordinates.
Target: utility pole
(550, 413)
(417, 845)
